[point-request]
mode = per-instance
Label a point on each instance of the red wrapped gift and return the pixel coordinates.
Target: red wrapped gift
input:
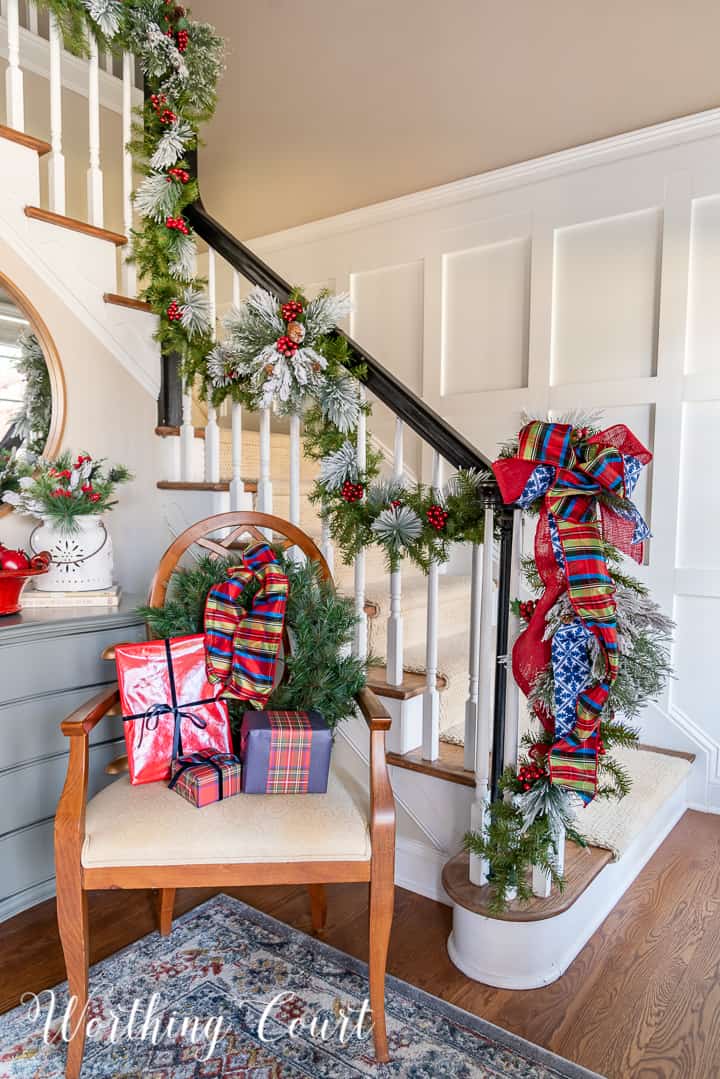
(168, 705)
(204, 778)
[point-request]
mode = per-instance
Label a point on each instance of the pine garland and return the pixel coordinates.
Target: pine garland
(31, 425)
(321, 672)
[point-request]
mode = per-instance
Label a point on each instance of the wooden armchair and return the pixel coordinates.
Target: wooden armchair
(98, 847)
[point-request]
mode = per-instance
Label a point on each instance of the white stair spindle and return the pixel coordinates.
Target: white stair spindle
(14, 95)
(108, 61)
(32, 17)
(212, 431)
(431, 699)
(471, 704)
(512, 698)
(264, 491)
(395, 619)
(56, 160)
(129, 274)
(94, 172)
(237, 487)
(361, 626)
(326, 545)
(483, 710)
(541, 880)
(294, 513)
(187, 437)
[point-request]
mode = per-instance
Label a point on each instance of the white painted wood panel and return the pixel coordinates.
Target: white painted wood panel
(617, 308)
(485, 307)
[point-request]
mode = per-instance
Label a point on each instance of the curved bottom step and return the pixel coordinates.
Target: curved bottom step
(509, 953)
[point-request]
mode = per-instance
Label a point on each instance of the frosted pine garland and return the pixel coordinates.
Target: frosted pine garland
(195, 312)
(106, 13)
(181, 256)
(396, 528)
(156, 198)
(173, 145)
(325, 312)
(339, 467)
(340, 403)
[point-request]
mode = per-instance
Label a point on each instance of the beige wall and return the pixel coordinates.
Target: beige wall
(108, 415)
(327, 105)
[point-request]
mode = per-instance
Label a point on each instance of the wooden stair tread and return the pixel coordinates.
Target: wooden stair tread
(38, 145)
(582, 865)
(414, 683)
(179, 485)
(174, 432)
(448, 766)
(75, 225)
(126, 301)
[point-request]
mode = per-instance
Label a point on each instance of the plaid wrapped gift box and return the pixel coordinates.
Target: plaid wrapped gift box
(285, 753)
(204, 778)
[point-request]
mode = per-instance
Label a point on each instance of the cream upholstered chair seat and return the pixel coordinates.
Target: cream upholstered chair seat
(149, 825)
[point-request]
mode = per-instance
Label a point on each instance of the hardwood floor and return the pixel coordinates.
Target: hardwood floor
(641, 1001)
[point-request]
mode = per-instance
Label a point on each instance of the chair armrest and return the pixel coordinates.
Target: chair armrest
(372, 708)
(80, 723)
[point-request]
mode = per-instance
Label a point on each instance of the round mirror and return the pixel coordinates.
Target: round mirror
(32, 392)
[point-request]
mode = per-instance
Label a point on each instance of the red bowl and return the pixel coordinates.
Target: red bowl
(11, 585)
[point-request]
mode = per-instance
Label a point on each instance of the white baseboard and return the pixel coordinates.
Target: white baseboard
(418, 867)
(28, 897)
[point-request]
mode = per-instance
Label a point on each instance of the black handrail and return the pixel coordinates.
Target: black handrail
(432, 428)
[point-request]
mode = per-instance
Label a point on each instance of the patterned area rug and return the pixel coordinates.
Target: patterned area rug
(222, 966)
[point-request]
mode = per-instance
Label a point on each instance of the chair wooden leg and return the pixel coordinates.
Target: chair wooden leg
(318, 906)
(72, 914)
(382, 901)
(165, 904)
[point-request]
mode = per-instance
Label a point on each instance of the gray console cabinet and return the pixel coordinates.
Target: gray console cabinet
(49, 665)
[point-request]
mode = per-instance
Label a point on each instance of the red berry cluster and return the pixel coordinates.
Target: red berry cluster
(174, 313)
(81, 459)
(527, 609)
(159, 103)
(178, 223)
(529, 774)
(182, 40)
(285, 346)
(178, 174)
(291, 310)
(601, 748)
(352, 492)
(396, 503)
(61, 492)
(91, 495)
(437, 517)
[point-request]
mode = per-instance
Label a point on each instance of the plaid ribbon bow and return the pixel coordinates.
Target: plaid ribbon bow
(242, 646)
(568, 474)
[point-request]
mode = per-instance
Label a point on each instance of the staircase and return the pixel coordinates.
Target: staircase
(435, 644)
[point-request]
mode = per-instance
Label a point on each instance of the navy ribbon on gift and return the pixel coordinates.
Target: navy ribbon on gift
(151, 716)
(192, 760)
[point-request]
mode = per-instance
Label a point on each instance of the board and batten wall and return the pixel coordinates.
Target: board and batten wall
(586, 279)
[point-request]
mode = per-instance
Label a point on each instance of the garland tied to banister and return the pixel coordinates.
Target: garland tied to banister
(582, 486)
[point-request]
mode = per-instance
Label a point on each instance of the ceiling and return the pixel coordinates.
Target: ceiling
(327, 105)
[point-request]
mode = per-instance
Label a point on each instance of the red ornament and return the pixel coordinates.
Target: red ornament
(13, 561)
(285, 346)
(352, 492)
(437, 517)
(527, 609)
(177, 223)
(529, 774)
(291, 310)
(174, 313)
(178, 174)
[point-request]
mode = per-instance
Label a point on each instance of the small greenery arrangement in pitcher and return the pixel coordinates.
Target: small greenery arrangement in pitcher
(69, 487)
